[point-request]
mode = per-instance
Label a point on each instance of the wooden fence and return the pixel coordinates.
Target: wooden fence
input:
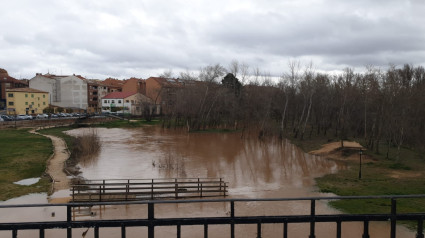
(147, 189)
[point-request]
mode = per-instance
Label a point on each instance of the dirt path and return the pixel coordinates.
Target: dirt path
(331, 147)
(55, 165)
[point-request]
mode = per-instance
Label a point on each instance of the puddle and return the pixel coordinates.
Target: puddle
(28, 182)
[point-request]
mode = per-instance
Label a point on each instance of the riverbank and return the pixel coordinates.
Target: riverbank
(379, 176)
(23, 155)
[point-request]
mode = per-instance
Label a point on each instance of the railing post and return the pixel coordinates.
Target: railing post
(232, 215)
(73, 193)
(420, 233)
(176, 187)
(259, 229)
(220, 185)
(152, 190)
(179, 231)
(198, 184)
(205, 230)
(100, 193)
(96, 232)
(393, 217)
(123, 231)
(151, 217)
(366, 229)
(68, 220)
(285, 229)
(103, 186)
(338, 229)
(41, 233)
(312, 221)
(14, 233)
(201, 189)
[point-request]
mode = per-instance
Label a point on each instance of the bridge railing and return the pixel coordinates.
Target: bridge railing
(231, 219)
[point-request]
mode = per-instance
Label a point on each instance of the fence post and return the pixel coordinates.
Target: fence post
(201, 189)
(338, 229)
(123, 231)
(312, 222)
(365, 229)
(151, 217)
(232, 215)
(176, 187)
(41, 233)
(285, 229)
(100, 193)
(152, 190)
(205, 230)
(259, 229)
(68, 220)
(393, 217)
(14, 233)
(420, 233)
(103, 186)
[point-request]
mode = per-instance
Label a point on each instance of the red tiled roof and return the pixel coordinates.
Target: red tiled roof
(118, 95)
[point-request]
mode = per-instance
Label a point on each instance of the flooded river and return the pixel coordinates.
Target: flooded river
(252, 168)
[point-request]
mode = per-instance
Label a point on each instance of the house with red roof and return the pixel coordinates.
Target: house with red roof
(125, 103)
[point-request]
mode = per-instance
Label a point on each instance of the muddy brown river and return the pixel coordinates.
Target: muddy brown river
(252, 168)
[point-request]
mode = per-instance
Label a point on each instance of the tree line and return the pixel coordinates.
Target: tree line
(385, 108)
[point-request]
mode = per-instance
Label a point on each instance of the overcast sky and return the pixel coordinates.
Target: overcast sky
(142, 38)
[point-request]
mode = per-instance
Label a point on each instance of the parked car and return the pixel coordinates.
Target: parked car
(1, 119)
(42, 116)
(22, 117)
(7, 118)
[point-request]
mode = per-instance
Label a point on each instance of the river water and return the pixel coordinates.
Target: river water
(252, 168)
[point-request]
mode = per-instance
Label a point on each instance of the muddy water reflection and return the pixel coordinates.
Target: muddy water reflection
(252, 168)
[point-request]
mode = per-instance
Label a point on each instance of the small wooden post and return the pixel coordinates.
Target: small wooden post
(152, 190)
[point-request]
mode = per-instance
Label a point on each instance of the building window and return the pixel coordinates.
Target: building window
(32, 95)
(44, 103)
(10, 103)
(113, 101)
(32, 103)
(127, 101)
(44, 96)
(26, 95)
(10, 95)
(119, 101)
(39, 105)
(26, 103)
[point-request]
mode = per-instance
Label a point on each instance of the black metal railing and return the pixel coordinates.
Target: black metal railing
(151, 221)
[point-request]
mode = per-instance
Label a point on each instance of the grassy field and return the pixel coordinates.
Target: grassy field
(380, 176)
(22, 155)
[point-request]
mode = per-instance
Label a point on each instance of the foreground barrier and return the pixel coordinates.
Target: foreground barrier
(231, 219)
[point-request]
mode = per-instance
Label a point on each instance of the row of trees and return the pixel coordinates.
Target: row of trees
(379, 106)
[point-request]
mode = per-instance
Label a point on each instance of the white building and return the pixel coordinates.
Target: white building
(65, 91)
(124, 102)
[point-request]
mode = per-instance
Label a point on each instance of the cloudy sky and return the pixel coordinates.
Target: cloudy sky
(142, 38)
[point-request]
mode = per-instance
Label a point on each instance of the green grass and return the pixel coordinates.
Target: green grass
(382, 176)
(22, 155)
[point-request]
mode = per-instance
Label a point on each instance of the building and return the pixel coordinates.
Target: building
(64, 91)
(125, 102)
(7, 82)
(26, 101)
(163, 91)
(135, 85)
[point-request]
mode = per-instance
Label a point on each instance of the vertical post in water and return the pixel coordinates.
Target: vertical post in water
(312, 221)
(152, 190)
(176, 188)
(151, 217)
